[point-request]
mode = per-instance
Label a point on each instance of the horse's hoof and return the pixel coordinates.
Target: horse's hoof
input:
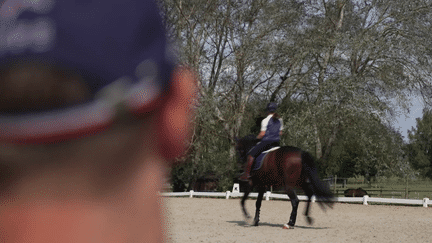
(309, 220)
(248, 221)
(286, 226)
(255, 223)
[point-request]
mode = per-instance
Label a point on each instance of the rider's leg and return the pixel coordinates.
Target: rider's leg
(248, 166)
(253, 153)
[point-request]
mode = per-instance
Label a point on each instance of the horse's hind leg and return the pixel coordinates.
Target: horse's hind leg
(242, 202)
(308, 218)
(258, 205)
(309, 193)
(294, 202)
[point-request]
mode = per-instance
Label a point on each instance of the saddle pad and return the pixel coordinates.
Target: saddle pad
(272, 149)
(260, 158)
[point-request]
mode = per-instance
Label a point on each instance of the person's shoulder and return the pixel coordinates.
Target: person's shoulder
(267, 118)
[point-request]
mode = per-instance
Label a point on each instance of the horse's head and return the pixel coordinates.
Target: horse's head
(244, 145)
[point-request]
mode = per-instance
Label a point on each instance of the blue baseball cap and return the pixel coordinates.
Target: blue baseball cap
(271, 107)
(118, 47)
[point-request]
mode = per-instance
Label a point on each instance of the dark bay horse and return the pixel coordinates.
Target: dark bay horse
(287, 167)
(359, 192)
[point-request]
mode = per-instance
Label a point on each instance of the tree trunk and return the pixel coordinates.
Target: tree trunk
(318, 153)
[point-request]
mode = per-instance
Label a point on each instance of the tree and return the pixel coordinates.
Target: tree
(372, 149)
(358, 58)
(419, 149)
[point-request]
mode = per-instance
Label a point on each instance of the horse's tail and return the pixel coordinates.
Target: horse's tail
(319, 188)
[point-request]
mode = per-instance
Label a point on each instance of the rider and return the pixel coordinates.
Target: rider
(271, 130)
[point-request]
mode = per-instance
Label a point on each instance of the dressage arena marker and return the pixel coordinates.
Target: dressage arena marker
(236, 188)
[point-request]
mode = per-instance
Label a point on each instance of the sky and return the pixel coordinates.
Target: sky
(407, 121)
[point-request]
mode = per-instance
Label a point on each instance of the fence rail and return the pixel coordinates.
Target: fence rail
(389, 192)
(338, 185)
(269, 195)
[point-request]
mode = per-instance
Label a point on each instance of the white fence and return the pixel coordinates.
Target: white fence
(269, 195)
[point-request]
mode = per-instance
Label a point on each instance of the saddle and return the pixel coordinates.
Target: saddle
(258, 161)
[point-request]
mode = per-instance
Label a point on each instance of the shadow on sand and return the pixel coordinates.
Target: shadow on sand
(244, 224)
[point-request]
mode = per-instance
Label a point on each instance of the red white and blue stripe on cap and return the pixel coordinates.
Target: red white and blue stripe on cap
(119, 47)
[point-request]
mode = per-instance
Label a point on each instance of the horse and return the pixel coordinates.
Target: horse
(359, 192)
(288, 167)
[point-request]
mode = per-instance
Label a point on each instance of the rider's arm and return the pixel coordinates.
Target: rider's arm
(261, 135)
(281, 128)
(263, 129)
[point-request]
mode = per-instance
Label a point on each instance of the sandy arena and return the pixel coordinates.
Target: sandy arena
(221, 220)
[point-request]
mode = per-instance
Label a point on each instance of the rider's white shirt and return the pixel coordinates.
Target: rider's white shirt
(265, 122)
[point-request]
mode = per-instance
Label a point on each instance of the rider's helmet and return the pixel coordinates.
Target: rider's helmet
(271, 107)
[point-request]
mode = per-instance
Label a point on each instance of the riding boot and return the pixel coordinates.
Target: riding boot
(246, 174)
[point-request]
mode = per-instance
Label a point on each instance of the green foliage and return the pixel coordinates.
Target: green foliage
(419, 150)
(368, 147)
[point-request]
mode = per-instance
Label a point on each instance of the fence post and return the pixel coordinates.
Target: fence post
(268, 195)
(191, 193)
(406, 190)
(425, 202)
(228, 193)
(365, 198)
(335, 181)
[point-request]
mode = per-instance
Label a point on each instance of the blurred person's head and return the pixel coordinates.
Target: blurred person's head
(91, 112)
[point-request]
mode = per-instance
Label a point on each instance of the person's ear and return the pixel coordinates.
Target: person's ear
(174, 123)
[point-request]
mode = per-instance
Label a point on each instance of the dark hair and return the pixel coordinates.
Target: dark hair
(275, 116)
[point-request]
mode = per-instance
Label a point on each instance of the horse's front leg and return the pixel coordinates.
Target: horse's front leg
(246, 215)
(258, 205)
(294, 202)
